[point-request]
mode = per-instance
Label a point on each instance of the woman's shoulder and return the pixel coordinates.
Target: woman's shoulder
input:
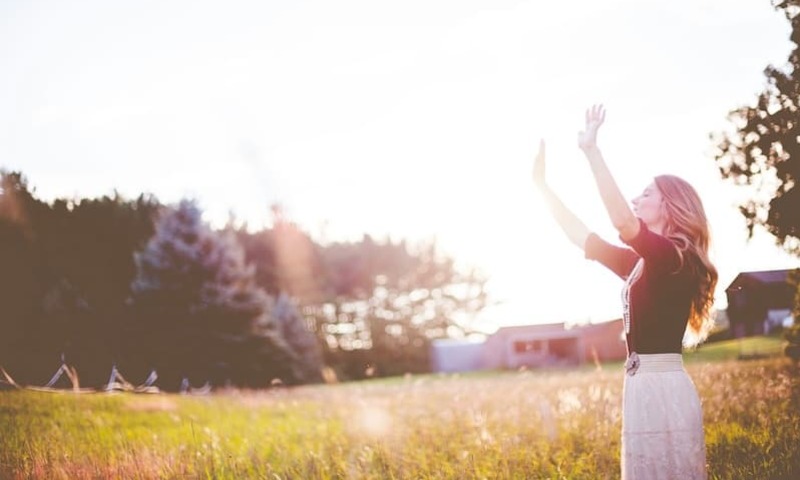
(676, 257)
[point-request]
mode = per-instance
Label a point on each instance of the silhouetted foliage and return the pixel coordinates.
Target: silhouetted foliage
(391, 302)
(303, 343)
(374, 306)
(24, 279)
(66, 272)
(764, 151)
(259, 248)
(201, 313)
(200, 303)
(93, 249)
(792, 334)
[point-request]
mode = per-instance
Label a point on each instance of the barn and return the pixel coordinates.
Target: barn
(757, 301)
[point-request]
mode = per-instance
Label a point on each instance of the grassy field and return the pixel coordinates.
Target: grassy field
(743, 348)
(558, 424)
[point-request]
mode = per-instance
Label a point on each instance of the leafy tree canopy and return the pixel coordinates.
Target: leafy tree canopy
(764, 150)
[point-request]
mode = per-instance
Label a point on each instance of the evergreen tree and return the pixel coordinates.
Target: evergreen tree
(301, 339)
(203, 316)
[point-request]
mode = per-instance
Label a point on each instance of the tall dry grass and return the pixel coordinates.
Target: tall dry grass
(559, 424)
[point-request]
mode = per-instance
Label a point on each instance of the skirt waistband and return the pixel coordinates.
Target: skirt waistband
(660, 362)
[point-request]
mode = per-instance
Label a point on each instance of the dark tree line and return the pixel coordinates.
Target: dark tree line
(66, 274)
(374, 306)
(141, 285)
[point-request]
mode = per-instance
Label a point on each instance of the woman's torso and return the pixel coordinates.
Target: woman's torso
(658, 309)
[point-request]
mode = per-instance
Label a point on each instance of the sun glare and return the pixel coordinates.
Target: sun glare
(374, 421)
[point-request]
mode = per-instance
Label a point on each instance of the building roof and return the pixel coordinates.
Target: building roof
(555, 330)
(456, 342)
(543, 327)
(761, 277)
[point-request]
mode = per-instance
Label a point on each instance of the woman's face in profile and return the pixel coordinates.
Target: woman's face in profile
(648, 206)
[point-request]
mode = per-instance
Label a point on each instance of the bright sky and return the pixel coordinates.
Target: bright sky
(413, 119)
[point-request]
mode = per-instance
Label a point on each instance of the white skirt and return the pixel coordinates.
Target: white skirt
(662, 422)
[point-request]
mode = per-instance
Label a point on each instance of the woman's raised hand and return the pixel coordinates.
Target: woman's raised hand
(587, 139)
(538, 166)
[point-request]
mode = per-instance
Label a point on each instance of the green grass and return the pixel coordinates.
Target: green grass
(751, 347)
(548, 424)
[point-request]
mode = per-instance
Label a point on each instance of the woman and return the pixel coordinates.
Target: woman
(667, 296)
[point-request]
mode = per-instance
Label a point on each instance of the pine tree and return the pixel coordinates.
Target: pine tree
(202, 314)
(301, 339)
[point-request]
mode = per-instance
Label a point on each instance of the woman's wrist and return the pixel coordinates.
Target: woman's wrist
(588, 149)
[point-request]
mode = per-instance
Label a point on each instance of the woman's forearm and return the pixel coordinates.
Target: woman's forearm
(571, 225)
(619, 212)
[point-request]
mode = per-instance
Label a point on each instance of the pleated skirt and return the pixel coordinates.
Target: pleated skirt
(662, 422)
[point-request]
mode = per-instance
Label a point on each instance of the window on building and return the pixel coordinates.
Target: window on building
(528, 346)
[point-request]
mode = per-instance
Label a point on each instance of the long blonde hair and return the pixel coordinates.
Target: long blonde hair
(687, 225)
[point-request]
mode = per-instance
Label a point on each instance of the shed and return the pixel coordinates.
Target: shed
(752, 296)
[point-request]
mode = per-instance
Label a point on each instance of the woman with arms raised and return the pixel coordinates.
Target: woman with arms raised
(667, 297)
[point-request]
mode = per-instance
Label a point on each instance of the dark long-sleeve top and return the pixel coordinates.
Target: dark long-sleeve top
(660, 299)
